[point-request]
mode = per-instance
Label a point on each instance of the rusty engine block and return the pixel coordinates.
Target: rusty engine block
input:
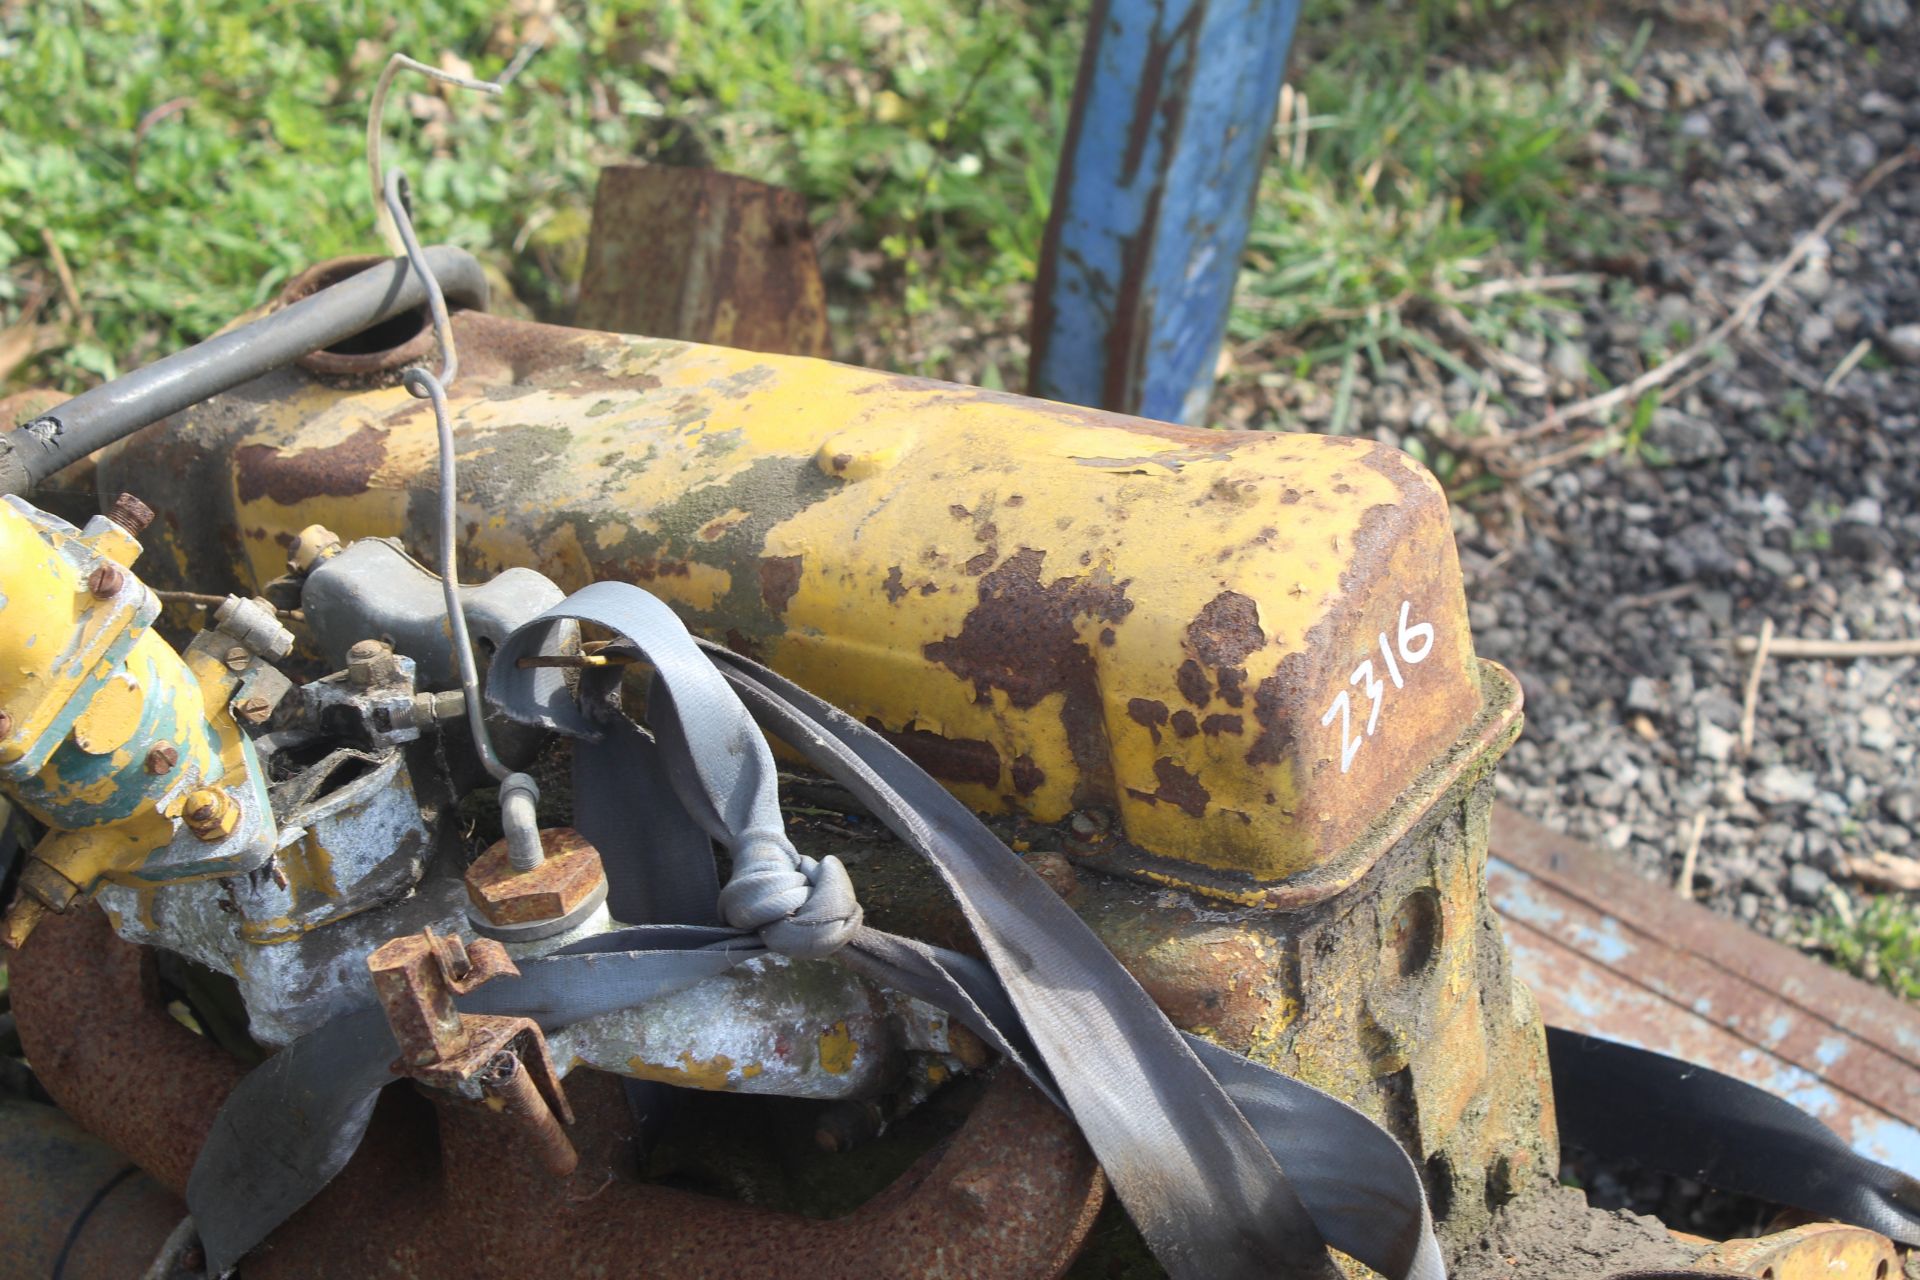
(1217, 687)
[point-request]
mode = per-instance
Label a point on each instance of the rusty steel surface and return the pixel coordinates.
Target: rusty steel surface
(570, 875)
(1615, 956)
(703, 256)
(453, 1188)
(1244, 646)
(71, 1206)
(106, 1049)
(1818, 1251)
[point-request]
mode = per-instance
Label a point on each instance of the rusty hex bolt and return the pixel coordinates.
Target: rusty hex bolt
(105, 581)
(130, 514)
(211, 814)
(252, 710)
(363, 661)
(161, 758)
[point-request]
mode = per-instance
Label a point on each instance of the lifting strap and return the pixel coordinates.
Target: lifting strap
(1229, 1169)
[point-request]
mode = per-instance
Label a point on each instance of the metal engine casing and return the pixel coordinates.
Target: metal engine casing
(1233, 667)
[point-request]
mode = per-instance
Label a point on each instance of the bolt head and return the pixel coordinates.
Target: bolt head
(105, 581)
(211, 814)
(130, 514)
(161, 758)
(253, 710)
(238, 658)
(6, 724)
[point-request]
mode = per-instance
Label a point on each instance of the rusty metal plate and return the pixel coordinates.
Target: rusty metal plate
(1612, 955)
(703, 256)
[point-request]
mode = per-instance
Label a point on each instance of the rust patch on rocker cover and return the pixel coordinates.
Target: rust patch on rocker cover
(1023, 639)
(1192, 680)
(338, 471)
(1226, 630)
(1149, 713)
(779, 579)
(1177, 787)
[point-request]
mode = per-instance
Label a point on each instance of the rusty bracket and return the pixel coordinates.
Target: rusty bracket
(416, 977)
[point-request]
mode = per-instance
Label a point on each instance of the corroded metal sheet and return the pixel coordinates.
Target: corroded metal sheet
(1615, 956)
(1246, 646)
(703, 256)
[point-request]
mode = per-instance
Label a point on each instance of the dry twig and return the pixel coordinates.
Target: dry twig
(1683, 885)
(1791, 647)
(68, 289)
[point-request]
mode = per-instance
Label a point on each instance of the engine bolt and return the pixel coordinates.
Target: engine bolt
(162, 758)
(210, 814)
(105, 581)
(362, 659)
(6, 724)
(238, 658)
(253, 710)
(130, 514)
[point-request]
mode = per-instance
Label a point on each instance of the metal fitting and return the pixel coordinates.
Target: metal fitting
(211, 814)
(254, 624)
(161, 758)
(555, 895)
(428, 711)
(310, 546)
(370, 662)
(252, 710)
(105, 582)
(130, 514)
(519, 798)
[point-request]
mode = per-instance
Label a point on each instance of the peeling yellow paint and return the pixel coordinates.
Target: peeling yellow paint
(837, 1050)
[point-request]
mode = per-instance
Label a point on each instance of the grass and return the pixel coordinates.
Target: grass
(186, 159)
(1880, 943)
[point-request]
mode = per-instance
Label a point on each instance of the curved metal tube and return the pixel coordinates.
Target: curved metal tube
(94, 419)
(449, 1190)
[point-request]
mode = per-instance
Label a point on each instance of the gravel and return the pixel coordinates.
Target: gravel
(1613, 587)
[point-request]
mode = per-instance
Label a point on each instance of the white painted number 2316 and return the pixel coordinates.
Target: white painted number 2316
(1414, 644)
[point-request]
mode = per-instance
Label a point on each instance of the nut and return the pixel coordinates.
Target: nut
(161, 758)
(130, 514)
(569, 875)
(369, 662)
(252, 710)
(310, 546)
(210, 814)
(105, 581)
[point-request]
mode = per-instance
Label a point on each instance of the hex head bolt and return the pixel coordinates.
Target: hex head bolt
(210, 814)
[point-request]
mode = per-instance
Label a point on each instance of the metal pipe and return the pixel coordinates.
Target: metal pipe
(506, 1079)
(114, 410)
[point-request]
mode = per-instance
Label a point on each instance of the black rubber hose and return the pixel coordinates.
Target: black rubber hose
(117, 409)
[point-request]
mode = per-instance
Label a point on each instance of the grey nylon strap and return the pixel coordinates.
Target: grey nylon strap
(1191, 1136)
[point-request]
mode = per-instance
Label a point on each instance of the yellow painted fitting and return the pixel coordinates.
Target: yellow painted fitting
(310, 546)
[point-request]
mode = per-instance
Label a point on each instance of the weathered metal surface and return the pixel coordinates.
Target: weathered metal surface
(1818, 1251)
(703, 256)
(1172, 117)
(1395, 995)
(1010, 1197)
(71, 1206)
(804, 1029)
(1616, 956)
(1245, 646)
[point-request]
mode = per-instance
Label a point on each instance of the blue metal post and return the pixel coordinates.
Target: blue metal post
(1171, 121)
